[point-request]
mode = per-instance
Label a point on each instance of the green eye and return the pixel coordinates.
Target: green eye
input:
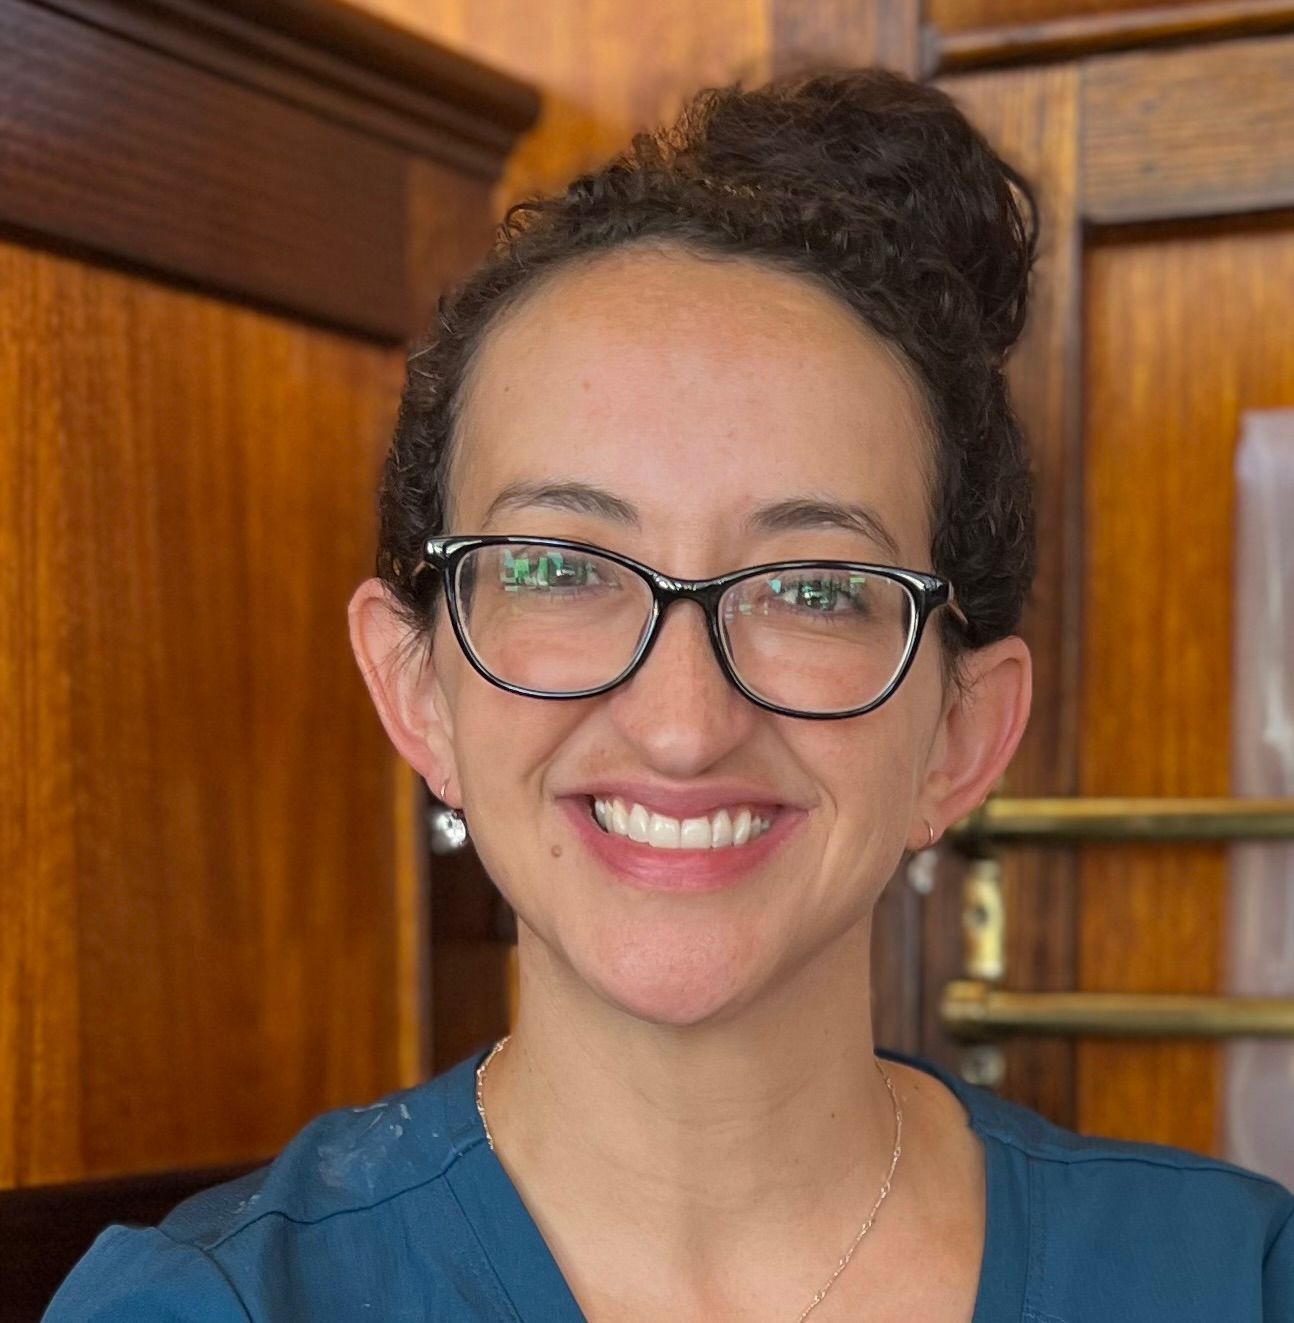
(550, 569)
(820, 595)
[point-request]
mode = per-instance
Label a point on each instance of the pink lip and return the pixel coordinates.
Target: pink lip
(677, 870)
(679, 802)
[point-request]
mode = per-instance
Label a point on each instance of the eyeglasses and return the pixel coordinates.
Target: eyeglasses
(557, 618)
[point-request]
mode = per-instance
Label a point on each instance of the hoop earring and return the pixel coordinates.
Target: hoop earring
(447, 828)
(930, 840)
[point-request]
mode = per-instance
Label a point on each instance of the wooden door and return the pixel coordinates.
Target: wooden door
(1164, 308)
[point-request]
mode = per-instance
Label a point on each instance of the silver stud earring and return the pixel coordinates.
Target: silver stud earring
(447, 827)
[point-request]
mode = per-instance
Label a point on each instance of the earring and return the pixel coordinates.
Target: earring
(930, 840)
(447, 827)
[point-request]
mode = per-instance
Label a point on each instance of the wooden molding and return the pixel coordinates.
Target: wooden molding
(340, 63)
(257, 150)
(1089, 34)
(1202, 131)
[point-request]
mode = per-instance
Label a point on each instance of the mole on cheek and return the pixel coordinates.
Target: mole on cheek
(557, 852)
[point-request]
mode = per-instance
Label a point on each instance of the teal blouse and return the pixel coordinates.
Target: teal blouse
(400, 1211)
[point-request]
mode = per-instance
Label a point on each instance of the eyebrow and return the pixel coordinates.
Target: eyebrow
(791, 515)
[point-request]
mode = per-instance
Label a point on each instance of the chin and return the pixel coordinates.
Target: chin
(666, 979)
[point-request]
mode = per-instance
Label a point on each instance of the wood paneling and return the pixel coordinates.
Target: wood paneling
(957, 15)
(1031, 117)
(199, 865)
(607, 67)
(842, 32)
(1184, 329)
(253, 191)
(1076, 36)
(338, 62)
(1198, 132)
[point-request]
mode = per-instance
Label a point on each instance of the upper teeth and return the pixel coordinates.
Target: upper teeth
(666, 833)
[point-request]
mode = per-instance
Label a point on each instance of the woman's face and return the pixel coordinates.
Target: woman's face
(692, 393)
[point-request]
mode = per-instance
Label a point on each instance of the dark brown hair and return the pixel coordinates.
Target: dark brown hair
(872, 186)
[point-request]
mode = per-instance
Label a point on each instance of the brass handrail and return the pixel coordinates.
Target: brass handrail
(971, 1010)
(1002, 819)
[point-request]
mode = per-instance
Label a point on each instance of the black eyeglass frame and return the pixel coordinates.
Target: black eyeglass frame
(928, 593)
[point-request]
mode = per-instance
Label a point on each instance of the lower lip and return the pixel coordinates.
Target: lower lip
(678, 870)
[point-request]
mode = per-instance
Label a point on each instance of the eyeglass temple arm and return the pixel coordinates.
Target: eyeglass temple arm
(955, 609)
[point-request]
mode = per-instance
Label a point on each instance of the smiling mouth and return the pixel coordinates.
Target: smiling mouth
(730, 827)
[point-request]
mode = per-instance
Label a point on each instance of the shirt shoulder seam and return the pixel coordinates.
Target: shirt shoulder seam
(456, 1152)
(1286, 1225)
(215, 1267)
(1187, 1162)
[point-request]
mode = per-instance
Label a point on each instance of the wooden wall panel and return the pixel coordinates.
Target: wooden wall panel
(1178, 133)
(606, 67)
(1031, 117)
(835, 32)
(1184, 330)
(196, 889)
(959, 15)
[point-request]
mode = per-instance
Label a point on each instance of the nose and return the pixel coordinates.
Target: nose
(679, 709)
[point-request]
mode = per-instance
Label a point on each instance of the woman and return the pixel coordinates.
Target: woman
(705, 533)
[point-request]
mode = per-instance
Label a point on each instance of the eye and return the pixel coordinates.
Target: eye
(536, 569)
(818, 592)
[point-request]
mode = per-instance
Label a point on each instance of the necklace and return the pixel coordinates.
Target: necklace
(862, 1231)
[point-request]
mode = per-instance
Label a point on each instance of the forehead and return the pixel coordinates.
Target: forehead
(694, 389)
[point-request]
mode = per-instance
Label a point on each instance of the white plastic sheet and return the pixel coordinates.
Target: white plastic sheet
(1259, 1091)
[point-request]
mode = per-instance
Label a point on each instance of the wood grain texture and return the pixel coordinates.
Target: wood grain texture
(197, 887)
(958, 15)
(1031, 117)
(1074, 36)
(339, 63)
(451, 226)
(1197, 132)
(844, 32)
(1184, 330)
(606, 68)
(127, 153)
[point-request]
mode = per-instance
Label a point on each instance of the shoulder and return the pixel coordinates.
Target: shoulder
(1158, 1230)
(1134, 1176)
(141, 1275)
(344, 1163)
(1102, 1175)
(350, 1178)
(1086, 1228)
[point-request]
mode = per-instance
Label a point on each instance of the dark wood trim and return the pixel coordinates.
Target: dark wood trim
(1033, 117)
(44, 1230)
(341, 64)
(1202, 131)
(250, 161)
(1090, 34)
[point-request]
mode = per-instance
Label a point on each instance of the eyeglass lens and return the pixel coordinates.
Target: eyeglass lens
(815, 639)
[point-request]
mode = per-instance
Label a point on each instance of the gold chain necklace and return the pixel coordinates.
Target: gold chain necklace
(862, 1231)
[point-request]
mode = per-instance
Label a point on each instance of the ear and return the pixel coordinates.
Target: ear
(404, 686)
(978, 733)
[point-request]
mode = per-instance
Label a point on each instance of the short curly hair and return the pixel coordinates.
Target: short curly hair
(873, 186)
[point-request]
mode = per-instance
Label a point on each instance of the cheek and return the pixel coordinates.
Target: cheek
(865, 772)
(504, 745)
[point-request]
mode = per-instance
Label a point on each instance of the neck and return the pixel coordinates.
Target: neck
(775, 1115)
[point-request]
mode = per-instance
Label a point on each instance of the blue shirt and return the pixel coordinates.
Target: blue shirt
(400, 1211)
